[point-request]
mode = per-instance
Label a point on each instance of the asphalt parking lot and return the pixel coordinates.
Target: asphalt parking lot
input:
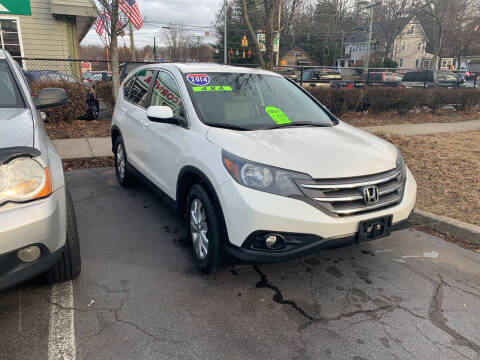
(139, 296)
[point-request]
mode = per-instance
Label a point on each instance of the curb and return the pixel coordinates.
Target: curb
(446, 225)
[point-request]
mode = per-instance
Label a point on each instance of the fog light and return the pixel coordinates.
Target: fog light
(273, 241)
(29, 254)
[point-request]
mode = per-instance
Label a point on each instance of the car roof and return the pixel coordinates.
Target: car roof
(210, 67)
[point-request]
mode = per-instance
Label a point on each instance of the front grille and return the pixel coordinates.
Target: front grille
(344, 197)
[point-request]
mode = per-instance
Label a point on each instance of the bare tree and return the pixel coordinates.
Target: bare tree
(113, 31)
(447, 16)
(391, 17)
(277, 14)
(179, 42)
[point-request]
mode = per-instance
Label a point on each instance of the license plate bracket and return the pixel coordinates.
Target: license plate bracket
(374, 228)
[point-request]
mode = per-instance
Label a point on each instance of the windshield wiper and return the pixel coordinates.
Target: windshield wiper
(292, 124)
(228, 126)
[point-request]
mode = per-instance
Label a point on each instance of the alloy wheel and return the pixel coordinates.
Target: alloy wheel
(199, 228)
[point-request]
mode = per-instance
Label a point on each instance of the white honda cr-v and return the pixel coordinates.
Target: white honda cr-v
(261, 171)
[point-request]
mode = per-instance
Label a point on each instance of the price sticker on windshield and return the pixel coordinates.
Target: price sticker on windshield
(277, 115)
(198, 79)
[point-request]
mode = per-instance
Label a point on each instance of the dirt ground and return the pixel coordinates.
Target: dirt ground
(413, 117)
(79, 129)
(447, 170)
(69, 165)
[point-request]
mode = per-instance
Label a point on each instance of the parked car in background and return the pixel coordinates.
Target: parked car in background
(221, 143)
(431, 79)
(287, 72)
(318, 77)
(92, 107)
(92, 77)
(38, 232)
(350, 73)
(381, 79)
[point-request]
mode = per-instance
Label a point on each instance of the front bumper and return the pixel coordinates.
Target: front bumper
(247, 211)
(252, 256)
(41, 222)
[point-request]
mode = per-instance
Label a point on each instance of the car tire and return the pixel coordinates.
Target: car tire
(92, 111)
(204, 223)
(68, 266)
(124, 177)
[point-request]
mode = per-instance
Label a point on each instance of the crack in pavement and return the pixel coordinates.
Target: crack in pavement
(435, 313)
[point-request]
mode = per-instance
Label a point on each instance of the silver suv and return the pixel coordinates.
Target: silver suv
(38, 232)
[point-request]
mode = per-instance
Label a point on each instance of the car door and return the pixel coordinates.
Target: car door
(450, 80)
(133, 117)
(166, 141)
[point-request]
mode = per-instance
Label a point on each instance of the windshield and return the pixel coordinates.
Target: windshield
(9, 94)
(252, 101)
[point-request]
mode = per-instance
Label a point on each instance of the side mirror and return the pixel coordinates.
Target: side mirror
(50, 97)
(164, 114)
(159, 113)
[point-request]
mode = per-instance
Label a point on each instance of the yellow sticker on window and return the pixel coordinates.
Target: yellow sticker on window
(211, 88)
(277, 115)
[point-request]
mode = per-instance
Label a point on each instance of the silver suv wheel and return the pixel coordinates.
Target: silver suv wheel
(199, 228)
(120, 161)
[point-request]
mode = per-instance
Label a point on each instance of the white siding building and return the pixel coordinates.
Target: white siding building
(45, 28)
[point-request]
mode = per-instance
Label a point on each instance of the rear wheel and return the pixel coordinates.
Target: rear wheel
(124, 177)
(205, 230)
(93, 110)
(69, 263)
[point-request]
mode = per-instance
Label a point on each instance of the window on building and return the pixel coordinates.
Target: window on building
(426, 63)
(444, 63)
(404, 45)
(417, 63)
(411, 30)
(9, 39)
(401, 63)
(419, 46)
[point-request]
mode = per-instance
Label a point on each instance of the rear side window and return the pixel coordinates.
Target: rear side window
(127, 86)
(138, 94)
(415, 76)
(9, 94)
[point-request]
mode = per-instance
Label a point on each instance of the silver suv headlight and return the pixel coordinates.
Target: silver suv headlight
(24, 179)
(262, 177)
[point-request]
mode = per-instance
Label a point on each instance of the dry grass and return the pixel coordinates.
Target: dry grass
(79, 129)
(447, 170)
(412, 117)
(69, 165)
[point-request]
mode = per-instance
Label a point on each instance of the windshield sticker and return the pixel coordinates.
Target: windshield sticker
(277, 115)
(212, 88)
(198, 79)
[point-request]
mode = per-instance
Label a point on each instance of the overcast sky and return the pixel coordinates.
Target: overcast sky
(188, 12)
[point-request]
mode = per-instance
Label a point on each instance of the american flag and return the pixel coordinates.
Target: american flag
(101, 22)
(132, 12)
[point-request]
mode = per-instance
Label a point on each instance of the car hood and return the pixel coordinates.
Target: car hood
(321, 152)
(16, 127)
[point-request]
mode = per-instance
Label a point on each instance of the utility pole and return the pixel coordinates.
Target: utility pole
(132, 43)
(154, 49)
(225, 34)
(370, 30)
(279, 27)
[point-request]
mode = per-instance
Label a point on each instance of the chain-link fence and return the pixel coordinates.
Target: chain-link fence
(355, 77)
(308, 76)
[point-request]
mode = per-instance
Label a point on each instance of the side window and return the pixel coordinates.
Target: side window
(127, 86)
(139, 92)
(166, 93)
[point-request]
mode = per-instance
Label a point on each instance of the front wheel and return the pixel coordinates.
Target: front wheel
(69, 263)
(124, 177)
(205, 230)
(93, 110)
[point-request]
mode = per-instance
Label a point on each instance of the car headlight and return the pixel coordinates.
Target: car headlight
(24, 179)
(262, 177)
